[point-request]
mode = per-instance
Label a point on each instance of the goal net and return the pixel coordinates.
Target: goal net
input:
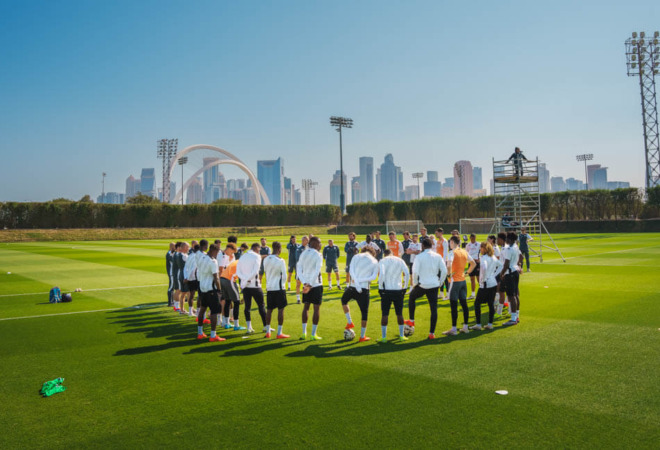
(399, 226)
(478, 226)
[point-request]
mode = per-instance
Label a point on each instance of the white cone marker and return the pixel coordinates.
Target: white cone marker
(502, 392)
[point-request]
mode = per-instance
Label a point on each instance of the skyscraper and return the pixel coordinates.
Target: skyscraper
(411, 193)
(590, 174)
(335, 188)
(366, 179)
(271, 176)
(390, 180)
(600, 178)
(148, 182)
(288, 194)
(476, 178)
(132, 186)
(574, 185)
(557, 184)
(356, 195)
(544, 179)
(463, 182)
(432, 187)
(194, 192)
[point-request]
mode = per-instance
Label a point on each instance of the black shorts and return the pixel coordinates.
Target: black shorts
(314, 296)
(331, 268)
(229, 290)
(362, 299)
(193, 286)
(292, 267)
(458, 291)
(276, 299)
(387, 298)
(185, 285)
(175, 283)
(210, 300)
(475, 272)
(511, 284)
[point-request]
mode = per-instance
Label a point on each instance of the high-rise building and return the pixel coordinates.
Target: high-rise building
(297, 198)
(411, 193)
(111, 198)
(600, 178)
(544, 179)
(366, 179)
(476, 178)
(432, 187)
(148, 182)
(463, 182)
(271, 176)
(590, 174)
(194, 193)
(288, 198)
(356, 195)
(132, 186)
(557, 184)
(574, 185)
(449, 183)
(390, 180)
(335, 188)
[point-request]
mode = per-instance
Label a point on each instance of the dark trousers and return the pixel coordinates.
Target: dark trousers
(526, 255)
(170, 292)
(485, 295)
(258, 295)
(431, 296)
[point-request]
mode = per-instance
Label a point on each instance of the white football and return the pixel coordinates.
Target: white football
(408, 330)
(349, 335)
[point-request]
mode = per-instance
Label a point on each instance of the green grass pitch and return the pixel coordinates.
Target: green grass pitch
(581, 368)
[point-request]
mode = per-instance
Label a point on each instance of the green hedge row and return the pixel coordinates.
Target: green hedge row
(94, 215)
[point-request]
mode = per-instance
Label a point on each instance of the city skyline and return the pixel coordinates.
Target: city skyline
(80, 103)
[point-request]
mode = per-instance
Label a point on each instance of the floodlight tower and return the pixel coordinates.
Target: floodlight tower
(167, 149)
(341, 122)
(103, 188)
(183, 160)
(418, 175)
(585, 157)
(643, 60)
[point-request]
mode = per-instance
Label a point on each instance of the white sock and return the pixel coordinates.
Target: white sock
(279, 330)
(348, 317)
(236, 323)
(200, 330)
(400, 330)
(298, 297)
(384, 330)
(453, 329)
(227, 320)
(499, 309)
(190, 308)
(212, 333)
(304, 328)
(314, 327)
(249, 324)
(363, 332)
(330, 285)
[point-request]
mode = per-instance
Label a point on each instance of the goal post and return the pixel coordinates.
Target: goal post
(399, 226)
(478, 226)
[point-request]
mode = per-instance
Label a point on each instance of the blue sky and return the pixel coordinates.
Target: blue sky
(89, 86)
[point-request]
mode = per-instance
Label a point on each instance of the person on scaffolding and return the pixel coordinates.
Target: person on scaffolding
(517, 158)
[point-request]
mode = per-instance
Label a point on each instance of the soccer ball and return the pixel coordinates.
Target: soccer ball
(349, 335)
(408, 330)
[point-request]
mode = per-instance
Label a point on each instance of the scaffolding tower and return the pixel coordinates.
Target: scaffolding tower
(518, 203)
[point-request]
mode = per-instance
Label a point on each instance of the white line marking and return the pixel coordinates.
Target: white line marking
(604, 253)
(89, 290)
(81, 312)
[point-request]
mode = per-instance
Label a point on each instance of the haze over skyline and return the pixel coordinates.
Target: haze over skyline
(89, 87)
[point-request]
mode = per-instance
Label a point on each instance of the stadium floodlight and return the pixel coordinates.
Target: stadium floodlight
(182, 162)
(585, 157)
(641, 57)
(417, 176)
(166, 150)
(103, 187)
(339, 123)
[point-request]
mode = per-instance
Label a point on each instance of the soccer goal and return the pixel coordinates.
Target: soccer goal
(477, 226)
(399, 226)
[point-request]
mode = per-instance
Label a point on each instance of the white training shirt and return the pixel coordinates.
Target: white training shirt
(511, 254)
(309, 267)
(489, 268)
(433, 241)
(207, 268)
(225, 260)
(247, 270)
(414, 247)
(275, 270)
(371, 244)
(363, 270)
(473, 250)
(429, 270)
(496, 249)
(390, 271)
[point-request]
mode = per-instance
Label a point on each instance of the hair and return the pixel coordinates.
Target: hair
(392, 233)
(177, 245)
(501, 235)
(406, 232)
(291, 237)
(185, 244)
(305, 237)
(523, 229)
(231, 246)
(244, 246)
(255, 246)
(455, 240)
(517, 148)
(426, 243)
(262, 239)
(387, 252)
(213, 248)
(455, 232)
(439, 230)
(351, 234)
(196, 248)
(488, 247)
(314, 242)
(203, 244)
(217, 242)
(368, 238)
(233, 239)
(276, 246)
(473, 235)
(492, 237)
(511, 236)
(369, 250)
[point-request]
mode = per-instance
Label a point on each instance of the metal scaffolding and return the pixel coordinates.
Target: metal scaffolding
(518, 203)
(166, 150)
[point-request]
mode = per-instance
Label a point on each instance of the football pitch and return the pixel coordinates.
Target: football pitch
(581, 368)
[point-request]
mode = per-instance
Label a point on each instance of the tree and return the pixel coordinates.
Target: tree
(61, 200)
(86, 199)
(227, 201)
(141, 199)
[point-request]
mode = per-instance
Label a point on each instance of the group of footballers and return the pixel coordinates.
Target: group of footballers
(420, 265)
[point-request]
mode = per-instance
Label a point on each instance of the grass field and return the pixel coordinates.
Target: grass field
(581, 368)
